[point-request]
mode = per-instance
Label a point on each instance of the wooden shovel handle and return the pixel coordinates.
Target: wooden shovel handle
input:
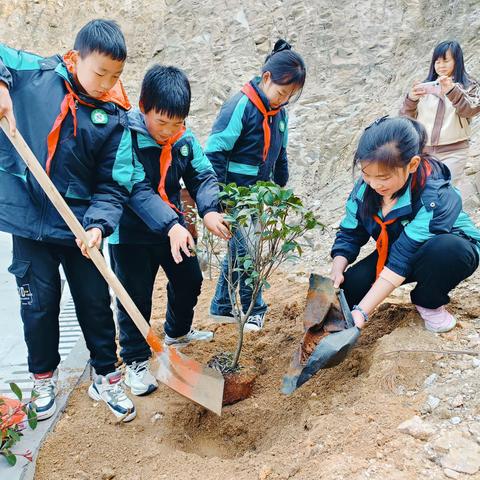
(66, 213)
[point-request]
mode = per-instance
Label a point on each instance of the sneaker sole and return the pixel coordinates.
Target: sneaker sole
(141, 393)
(92, 393)
(47, 413)
(442, 330)
(221, 318)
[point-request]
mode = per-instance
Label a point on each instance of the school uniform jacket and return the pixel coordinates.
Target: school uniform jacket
(235, 145)
(92, 170)
(437, 210)
(147, 218)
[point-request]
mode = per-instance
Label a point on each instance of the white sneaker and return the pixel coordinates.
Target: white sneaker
(254, 323)
(139, 378)
(109, 389)
(191, 336)
(44, 391)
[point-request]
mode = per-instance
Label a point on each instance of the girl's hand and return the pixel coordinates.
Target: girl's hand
(358, 319)
(180, 241)
(337, 278)
(6, 108)
(216, 224)
(446, 84)
(416, 92)
(338, 267)
(94, 240)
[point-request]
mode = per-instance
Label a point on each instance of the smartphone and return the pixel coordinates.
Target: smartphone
(431, 87)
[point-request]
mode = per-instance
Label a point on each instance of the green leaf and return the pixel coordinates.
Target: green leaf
(10, 457)
(16, 390)
(32, 419)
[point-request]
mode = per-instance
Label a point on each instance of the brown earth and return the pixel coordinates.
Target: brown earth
(341, 424)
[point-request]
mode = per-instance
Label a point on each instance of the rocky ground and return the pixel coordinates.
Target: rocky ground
(382, 414)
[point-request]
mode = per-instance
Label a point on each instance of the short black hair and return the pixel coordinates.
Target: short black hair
(102, 36)
(166, 90)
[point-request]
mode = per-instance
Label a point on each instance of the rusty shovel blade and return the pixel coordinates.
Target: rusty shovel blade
(330, 333)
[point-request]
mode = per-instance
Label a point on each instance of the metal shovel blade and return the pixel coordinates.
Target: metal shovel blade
(329, 325)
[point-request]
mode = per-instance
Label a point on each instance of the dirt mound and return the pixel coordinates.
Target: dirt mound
(359, 402)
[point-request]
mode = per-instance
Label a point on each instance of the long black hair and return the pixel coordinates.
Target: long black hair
(286, 67)
(460, 75)
(393, 142)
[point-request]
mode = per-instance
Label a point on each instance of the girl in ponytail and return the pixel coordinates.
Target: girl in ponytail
(248, 143)
(405, 201)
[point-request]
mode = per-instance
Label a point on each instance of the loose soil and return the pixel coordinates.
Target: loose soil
(341, 424)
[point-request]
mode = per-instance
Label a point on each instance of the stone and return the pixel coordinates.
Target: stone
(455, 420)
(457, 451)
(476, 362)
(108, 473)
(417, 428)
(434, 402)
(451, 473)
(457, 401)
(430, 380)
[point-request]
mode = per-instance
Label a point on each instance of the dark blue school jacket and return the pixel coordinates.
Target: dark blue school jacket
(147, 219)
(93, 171)
(437, 210)
(235, 146)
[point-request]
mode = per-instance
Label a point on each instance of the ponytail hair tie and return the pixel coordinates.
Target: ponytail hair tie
(281, 45)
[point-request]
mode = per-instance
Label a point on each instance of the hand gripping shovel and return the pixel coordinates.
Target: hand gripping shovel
(330, 333)
(201, 384)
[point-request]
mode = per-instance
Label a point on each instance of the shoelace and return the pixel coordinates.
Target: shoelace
(139, 367)
(255, 320)
(116, 391)
(43, 387)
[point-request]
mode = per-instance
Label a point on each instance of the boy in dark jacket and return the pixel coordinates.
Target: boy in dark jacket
(72, 112)
(152, 231)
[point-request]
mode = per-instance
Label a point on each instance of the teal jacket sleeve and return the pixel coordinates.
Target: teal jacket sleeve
(352, 234)
(12, 61)
(280, 175)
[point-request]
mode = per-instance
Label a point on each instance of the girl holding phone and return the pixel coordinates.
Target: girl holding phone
(446, 109)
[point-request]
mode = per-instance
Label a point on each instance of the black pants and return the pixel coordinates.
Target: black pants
(36, 268)
(440, 265)
(136, 266)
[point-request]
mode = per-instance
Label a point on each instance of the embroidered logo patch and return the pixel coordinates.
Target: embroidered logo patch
(282, 126)
(99, 117)
(184, 150)
(26, 296)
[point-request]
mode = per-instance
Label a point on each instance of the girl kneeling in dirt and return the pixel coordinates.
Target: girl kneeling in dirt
(405, 201)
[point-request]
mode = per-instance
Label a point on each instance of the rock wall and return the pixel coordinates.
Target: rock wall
(361, 57)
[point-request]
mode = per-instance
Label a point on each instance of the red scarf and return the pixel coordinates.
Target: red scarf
(116, 94)
(253, 96)
(165, 162)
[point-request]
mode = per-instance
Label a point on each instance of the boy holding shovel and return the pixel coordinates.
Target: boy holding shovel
(72, 112)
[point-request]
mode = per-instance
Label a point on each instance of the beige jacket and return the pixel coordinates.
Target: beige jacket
(446, 117)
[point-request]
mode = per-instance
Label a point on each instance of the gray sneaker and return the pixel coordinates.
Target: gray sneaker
(109, 389)
(139, 378)
(191, 336)
(44, 392)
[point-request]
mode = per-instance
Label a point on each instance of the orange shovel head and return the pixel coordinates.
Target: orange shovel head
(203, 385)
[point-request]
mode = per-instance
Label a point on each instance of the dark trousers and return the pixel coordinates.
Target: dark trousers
(36, 268)
(439, 266)
(136, 266)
